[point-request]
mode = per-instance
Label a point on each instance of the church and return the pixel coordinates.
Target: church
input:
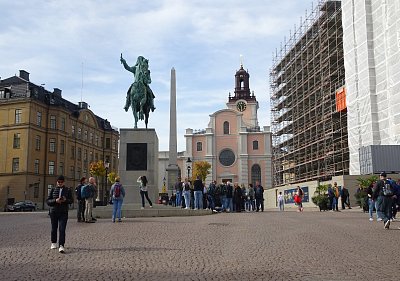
(237, 149)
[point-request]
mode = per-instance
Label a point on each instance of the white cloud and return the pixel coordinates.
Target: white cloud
(60, 42)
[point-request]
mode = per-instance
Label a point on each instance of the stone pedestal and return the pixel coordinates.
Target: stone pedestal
(138, 156)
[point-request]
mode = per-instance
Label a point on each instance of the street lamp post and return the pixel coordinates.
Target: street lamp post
(107, 166)
(189, 163)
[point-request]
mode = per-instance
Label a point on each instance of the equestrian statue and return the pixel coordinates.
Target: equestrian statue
(139, 96)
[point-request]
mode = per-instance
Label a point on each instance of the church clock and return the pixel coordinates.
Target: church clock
(241, 106)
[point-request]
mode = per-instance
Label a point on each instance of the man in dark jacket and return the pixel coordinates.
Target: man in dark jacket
(198, 193)
(384, 200)
(259, 191)
(81, 201)
(58, 200)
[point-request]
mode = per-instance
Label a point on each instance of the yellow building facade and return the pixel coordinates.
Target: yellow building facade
(42, 136)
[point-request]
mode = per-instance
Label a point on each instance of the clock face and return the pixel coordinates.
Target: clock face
(241, 106)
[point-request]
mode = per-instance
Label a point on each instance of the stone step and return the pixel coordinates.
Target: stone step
(158, 210)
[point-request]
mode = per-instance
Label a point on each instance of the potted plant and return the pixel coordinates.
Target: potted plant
(361, 194)
(320, 197)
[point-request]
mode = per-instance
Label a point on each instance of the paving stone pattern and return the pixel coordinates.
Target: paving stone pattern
(237, 246)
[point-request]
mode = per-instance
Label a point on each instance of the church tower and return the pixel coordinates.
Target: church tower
(243, 100)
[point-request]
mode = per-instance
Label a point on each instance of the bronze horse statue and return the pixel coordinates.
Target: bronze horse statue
(139, 96)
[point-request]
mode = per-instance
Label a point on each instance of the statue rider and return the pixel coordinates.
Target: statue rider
(142, 79)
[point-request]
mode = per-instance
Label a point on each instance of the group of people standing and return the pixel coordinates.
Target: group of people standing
(223, 197)
(334, 193)
(60, 197)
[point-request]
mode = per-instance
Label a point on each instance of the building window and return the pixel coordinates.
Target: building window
(97, 140)
(73, 130)
(36, 167)
(62, 147)
(79, 154)
(36, 191)
(17, 140)
(96, 157)
(79, 133)
(18, 116)
(15, 165)
(108, 143)
(37, 142)
(199, 146)
(85, 135)
(39, 119)
(78, 173)
(52, 145)
(226, 128)
(72, 152)
(84, 172)
(53, 122)
(91, 156)
(255, 145)
(51, 167)
(62, 124)
(255, 174)
(227, 157)
(72, 172)
(61, 168)
(91, 137)
(85, 154)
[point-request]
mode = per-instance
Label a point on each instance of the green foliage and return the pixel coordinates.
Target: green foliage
(202, 169)
(361, 195)
(111, 177)
(320, 198)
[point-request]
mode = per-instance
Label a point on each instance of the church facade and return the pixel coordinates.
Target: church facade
(237, 149)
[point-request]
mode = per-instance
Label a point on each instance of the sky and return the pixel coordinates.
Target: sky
(75, 45)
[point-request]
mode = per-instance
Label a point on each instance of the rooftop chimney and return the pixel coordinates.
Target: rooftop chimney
(24, 75)
(83, 105)
(57, 92)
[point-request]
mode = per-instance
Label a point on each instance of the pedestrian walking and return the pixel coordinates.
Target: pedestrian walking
(345, 198)
(58, 200)
(298, 199)
(384, 191)
(117, 193)
(281, 201)
(142, 180)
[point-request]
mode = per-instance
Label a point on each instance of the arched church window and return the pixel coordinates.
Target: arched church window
(226, 128)
(255, 145)
(199, 146)
(255, 174)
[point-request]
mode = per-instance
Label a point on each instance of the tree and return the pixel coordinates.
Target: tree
(361, 195)
(97, 169)
(112, 176)
(201, 168)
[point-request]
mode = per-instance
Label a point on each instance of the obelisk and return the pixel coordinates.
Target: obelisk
(172, 168)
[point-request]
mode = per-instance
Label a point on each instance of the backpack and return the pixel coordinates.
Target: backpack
(117, 190)
(78, 192)
(187, 186)
(387, 189)
(85, 192)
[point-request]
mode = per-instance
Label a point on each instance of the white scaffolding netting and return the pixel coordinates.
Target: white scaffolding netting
(371, 43)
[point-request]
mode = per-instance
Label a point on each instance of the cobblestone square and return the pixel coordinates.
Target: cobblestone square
(234, 246)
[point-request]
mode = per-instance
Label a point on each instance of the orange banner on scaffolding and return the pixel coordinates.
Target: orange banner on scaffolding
(341, 99)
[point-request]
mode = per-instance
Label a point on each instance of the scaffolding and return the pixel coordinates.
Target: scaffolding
(309, 129)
